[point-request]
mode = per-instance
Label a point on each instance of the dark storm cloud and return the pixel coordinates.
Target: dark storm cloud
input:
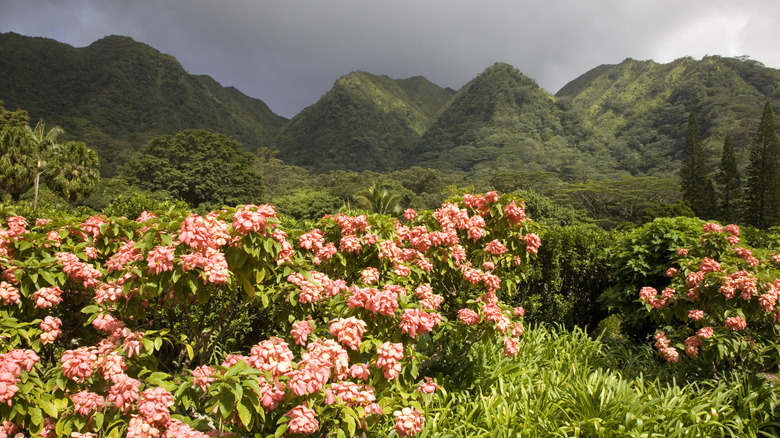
(289, 52)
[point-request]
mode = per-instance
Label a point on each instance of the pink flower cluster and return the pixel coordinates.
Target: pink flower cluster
(160, 259)
(408, 421)
(650, 296)
(300, 331)
(736, 323)
(202, 232)
(532, 243)
(348, 331)
(124, 392)
(253, 218)
(383, 302)
(388, 361)
(93, 224)
(11, 366)
(418, 321)
(8, 293)
(316, 286)
(85, 402)
(350, 393)
(79, 271)
(51, 329)
(46, 297)
(314, 241)
(78, 364)
(127, 253)
(303, 420)
(428, 299)
(153, 406)
(469, 317)
(202, 376)
(666, 352)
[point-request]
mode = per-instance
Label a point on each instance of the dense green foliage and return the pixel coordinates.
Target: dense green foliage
(729, 184)
(204, 169)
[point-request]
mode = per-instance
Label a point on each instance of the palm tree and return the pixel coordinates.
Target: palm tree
(379, 199)
(42, 143)
(73, 172)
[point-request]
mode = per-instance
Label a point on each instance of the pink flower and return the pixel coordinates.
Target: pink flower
(348, 331)
(418, 321)
(202, 377)
(468, 316)
(51, 329)
(710, 227)
(124, 392)
(271, 394)
(705, 332)
(300, 331)
(302, 420)
(8, 293)
(132, 344)
(682, 252)
(518, 311)
(140, 428)
(78, 364)
(272, 355)
(153, 406)
(370, 275)
(696, 314)
(408, 421)
(8, 387)
(84, 402)
(160, 259)
(350, 244)
(252, 218)
(671, 272)
(389, 354)
(736, 323)
(514, 213)
(496, 248)
(428, 386)
(46, 297)
(359, 371)
(511, 346)
(532, 243)
(709, 265)
(109, 293)
(410, 214)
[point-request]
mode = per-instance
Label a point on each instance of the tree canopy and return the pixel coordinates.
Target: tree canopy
(200, 167)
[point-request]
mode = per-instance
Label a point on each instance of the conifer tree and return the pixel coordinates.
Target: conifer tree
(729, 183)
(762, 208)
(697, 187)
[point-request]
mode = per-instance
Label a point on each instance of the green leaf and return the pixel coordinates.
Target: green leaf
(244, 413)
(190, 351)
(48, 407)
(281, 430)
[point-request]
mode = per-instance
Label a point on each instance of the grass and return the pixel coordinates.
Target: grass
(566, 384)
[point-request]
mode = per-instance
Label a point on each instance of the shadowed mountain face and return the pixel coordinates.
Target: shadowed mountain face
(117, 93)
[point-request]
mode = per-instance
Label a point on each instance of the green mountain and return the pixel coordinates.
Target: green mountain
(639, 108)
(502, 121)
(117, 93)
(364, 122)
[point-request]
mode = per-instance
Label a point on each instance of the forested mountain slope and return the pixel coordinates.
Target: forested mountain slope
(639, 108)
(364, 122)
(117, 93)
(503, 121)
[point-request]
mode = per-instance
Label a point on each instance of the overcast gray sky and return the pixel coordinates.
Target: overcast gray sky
(290, 52)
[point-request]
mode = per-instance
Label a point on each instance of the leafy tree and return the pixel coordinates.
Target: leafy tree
(73, 171)
(201, 167)
(729, 182)
(379, 199)
(697, 187)
(17, 162)
(13, 118)
(763, 182)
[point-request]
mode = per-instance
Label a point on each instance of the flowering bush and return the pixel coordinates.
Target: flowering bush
(721, 306)
(113, 327)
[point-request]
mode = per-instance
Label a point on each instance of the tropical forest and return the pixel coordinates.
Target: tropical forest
(397, 259)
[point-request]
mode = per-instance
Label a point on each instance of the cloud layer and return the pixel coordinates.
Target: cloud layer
(288, 53)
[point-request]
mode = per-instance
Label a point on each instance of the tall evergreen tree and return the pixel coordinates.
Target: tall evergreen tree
(729, 183)
(762, 208)
(697, 187)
